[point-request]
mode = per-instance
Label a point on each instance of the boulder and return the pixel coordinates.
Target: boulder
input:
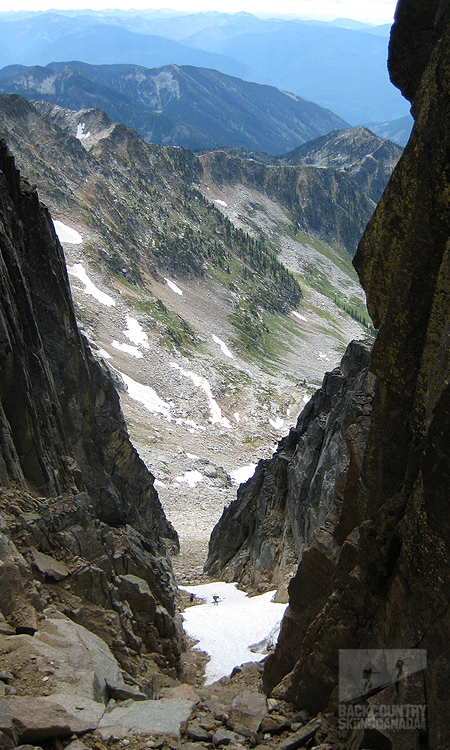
(184, 691)
(18, 596)
(146, 717)
(282, 594)
(122, 692)
(5, 627)
(6, 743)
(225, 737)
(82, 663)
(246, 712)
(210, 471)
(6, 724)
(301, 737)
(48, 566)
(195, 732)
(76, 745)
(274, 724)
(137, 593)
(37, 719)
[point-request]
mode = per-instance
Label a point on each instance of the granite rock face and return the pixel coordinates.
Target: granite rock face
(260, 536)
(74, 495)
(378, 578)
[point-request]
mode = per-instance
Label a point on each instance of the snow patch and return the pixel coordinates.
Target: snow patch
(201, 382)
(133, 351)
(306, 399)
(81, 135)
(67, 234)
(136, 333)
(277, 423)
(191, 477)
(237, 416)
(223, 346)
(78, 271)
(102, 353)
(228, 629)
(158, 483)
(300, 317)
(146, 396)
(173, 286)
(221, 203)
(323, 356)
(241, 475)
(192, 456)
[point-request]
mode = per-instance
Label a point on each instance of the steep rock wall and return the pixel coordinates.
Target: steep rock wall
(71, 483)
(259, 537)
(379, 577)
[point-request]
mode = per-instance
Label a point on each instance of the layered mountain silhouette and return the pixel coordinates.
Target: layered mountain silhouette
(339, 66)
(185, 106)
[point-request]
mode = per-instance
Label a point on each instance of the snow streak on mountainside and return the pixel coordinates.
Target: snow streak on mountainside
(167, 287)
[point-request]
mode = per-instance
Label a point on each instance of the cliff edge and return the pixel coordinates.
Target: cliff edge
(378, 577)
(77, 504)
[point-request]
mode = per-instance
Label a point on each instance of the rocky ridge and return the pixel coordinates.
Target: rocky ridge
(72, 485)
(330, 185)
(179, 105)
(260, 536)
(375, 574)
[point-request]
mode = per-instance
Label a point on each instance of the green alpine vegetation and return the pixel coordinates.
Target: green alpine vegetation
(148, 212)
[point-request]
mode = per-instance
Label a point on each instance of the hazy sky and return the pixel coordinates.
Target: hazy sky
(373, 11)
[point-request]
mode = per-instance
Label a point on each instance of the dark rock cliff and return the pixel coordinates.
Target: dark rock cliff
(71, 483)
(379, 577)
(259, 537)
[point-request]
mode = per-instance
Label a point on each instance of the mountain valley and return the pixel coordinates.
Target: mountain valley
(182, 246)
(182, 323)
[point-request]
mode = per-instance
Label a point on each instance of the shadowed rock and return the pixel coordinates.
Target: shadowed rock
(379, 577)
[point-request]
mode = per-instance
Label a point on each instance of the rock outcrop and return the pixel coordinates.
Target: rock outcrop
(378, 577)
(260, 536)
(77, 505)
(329, 186)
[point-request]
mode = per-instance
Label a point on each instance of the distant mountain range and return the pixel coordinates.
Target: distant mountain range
(397, 131)
(185, 106)
(339, 66)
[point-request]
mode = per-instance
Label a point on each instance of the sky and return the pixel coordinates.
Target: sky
(370, 11)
